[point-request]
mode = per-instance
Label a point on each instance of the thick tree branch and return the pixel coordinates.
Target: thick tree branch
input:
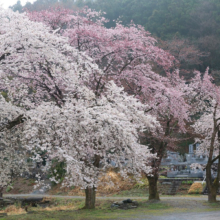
(218, 157)
(20, 119)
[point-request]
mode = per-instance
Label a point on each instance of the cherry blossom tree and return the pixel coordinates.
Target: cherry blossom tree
(51, 80)
(127, 55)
(88, 133)
(172, 116)
(206, 98)
(121, 52)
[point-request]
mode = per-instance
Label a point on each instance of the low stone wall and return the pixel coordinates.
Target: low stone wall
(178, 179)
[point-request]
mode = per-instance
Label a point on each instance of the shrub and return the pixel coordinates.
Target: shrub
(189, 182)
(143, 183)
(58, 170)
(9, 187)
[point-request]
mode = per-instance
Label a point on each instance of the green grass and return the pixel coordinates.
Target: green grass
(103, 211)
(213, 205)
(155, 206)
(136, 192)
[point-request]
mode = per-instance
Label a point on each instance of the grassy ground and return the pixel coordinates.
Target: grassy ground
(63, 209)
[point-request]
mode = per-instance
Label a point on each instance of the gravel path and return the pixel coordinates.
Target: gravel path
(199, 198)
(195, 210)
(184, 216)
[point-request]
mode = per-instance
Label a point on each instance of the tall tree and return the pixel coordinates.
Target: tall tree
(206, 96)
(89, 133)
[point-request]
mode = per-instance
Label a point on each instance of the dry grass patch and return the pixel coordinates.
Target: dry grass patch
(59, 208)
(113, 182)
(13, 210)
(58, 205)
(110, 183)
(196, 188)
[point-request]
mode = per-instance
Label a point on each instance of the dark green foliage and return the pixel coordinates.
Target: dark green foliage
(189, 182)
(161, 17)
(58, 170)
(17, 7)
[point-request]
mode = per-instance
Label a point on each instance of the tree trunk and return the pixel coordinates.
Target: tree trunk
(90, 191)
(1, 192)
(90, 198)
(212, 195)
(153, 192)
(212, 186)
(212, 191)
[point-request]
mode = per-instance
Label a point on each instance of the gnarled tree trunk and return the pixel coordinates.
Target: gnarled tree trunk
(90, 198)
(90, 191)
(153, 191)
(212, 192)
(211, 186)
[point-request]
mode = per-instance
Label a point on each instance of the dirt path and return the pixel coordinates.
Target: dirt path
(200, 198)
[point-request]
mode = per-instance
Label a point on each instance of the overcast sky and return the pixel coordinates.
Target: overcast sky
(7, 3)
